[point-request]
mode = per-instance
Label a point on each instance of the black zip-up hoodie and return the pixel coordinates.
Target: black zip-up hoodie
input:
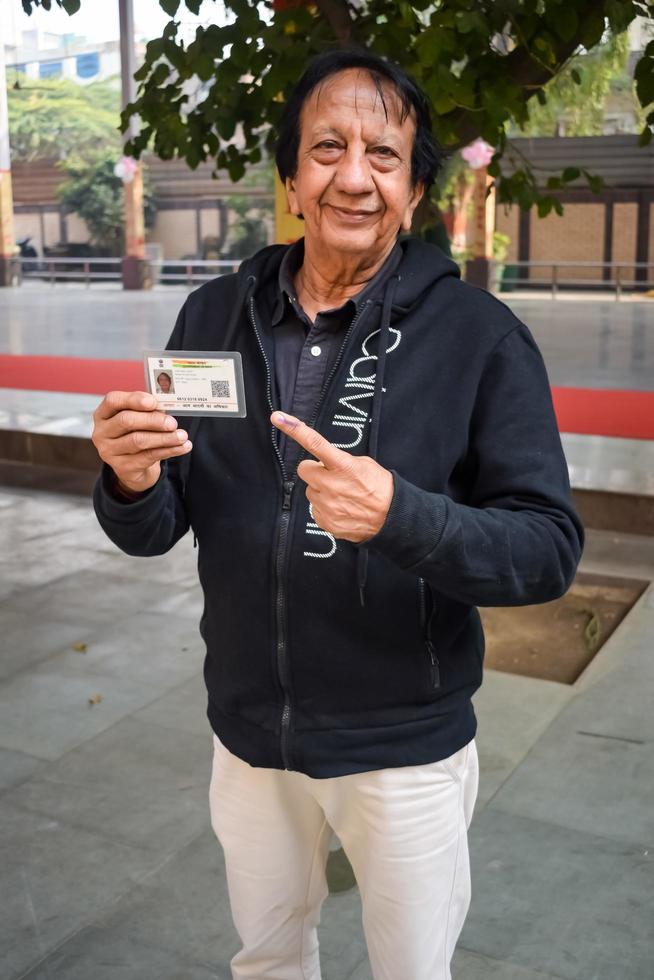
(323, 656)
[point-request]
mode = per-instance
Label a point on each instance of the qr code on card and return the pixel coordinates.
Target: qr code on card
(220, 389)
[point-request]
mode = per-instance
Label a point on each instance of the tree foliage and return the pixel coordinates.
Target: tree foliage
(484, 65)
(581, 104)
(57, 119)
(70, 6)
(95, 193)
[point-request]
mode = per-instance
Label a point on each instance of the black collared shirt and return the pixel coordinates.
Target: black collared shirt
(304, 352)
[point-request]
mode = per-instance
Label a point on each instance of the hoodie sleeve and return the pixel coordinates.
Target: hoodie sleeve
(518, 539)
(157, 519)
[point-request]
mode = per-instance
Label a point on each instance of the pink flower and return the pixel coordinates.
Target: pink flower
(478, 154)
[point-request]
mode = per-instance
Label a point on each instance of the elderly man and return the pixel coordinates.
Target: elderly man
(343, 639)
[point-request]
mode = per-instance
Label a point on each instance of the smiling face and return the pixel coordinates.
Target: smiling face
(353, 179)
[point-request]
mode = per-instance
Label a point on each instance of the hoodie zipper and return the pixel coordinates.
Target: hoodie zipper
(280, 566)
(425, 621)
(281, 553)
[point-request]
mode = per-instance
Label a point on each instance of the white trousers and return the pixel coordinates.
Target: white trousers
(404, 832)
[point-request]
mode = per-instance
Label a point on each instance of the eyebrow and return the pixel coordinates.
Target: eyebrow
(321, 131)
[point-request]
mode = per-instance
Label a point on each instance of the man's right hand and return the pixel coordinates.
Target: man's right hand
(132, 436)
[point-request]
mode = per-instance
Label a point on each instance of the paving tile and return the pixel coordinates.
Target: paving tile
(181, 908)
(136, 783)
(46, 712)
(27, 565)
(94, 954)
(570, 904)
(184, 709)
(512, 713)
(177, 569)
(594, 769)
(616, 553)
(16, 767)
(471, 966)
(27, 641)
(343, 950)
(53, 880)
(88, 597)
(161, 650)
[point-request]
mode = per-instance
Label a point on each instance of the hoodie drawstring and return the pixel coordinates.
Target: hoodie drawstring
(375, 412)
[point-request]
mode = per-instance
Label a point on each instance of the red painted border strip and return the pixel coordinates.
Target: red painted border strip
(605, 412)
(590, 411)
(72, 374)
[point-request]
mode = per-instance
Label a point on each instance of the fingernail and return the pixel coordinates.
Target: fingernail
(170, 423)
(284, 420)
(181, 435)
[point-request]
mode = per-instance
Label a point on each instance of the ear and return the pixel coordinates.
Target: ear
(414, 200)
(291, 196)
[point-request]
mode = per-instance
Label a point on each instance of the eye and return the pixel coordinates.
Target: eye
(327, 145)
(385, 151)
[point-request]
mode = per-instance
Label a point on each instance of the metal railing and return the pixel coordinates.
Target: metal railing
(90, 269)
(190, 271)
(619, 282)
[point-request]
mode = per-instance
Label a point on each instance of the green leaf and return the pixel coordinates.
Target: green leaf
(558, 207)
(564, 21)
(576, 76)
(595, 182)
(644, 77)
(554, 183)
(544, 206)
(540, 95)
(235, 168)
(71, 6)
(620, 14)
(154, 49)
(169, 7)
(592, 29)
(193, 5)
(645, 138)
(570, 173)
(467, 21)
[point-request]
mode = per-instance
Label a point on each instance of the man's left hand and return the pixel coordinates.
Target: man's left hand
(349, 495)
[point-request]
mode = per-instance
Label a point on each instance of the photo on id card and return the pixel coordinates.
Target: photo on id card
(197, 382)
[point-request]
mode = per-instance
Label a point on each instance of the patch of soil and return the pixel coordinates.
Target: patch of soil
(556, 641)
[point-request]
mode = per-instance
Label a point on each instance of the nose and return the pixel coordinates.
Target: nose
(353, 175)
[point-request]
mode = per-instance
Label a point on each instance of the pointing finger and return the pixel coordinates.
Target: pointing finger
(331, 457)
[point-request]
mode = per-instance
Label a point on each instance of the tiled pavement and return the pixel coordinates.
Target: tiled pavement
(109, 868)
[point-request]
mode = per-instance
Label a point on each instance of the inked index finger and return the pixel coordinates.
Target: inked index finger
(117, 401)
(331, 457)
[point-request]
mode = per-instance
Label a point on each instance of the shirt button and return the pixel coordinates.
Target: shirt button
(316, 351)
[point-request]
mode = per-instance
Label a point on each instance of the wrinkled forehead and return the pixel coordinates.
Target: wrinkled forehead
(355, 92)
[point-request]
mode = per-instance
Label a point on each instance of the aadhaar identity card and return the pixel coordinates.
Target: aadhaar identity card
(197, 382)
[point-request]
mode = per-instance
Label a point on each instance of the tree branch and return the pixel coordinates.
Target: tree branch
(337, 15)
(527, 72)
